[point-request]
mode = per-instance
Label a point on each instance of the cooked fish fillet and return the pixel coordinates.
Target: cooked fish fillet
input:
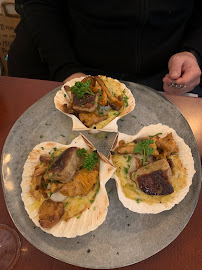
(65, 166)
(154, 178)
(86, 104)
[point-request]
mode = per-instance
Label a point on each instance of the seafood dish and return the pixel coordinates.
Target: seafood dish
(154, 169)
(63, 187)
(95, 103)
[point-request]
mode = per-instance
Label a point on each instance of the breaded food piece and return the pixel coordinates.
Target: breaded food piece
(50, 213)
(167, 144)
(89, 119)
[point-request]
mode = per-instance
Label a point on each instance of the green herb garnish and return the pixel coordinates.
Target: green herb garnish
(125, 98)
(66, 204)
(90, 161)
(81, 88)
(42, 148)
(41, 136)
(134, 116)
(65, 95)
(78, 216)
(142, 147)
(96, 192)
(91, 201)
(138, 200)
(129, 159)
(53, 181)
(125, 170)
(151, 136)
(134, 174)
(82, 152)
(62, 135)
(51, 193)
(94, 207)
(55, 149)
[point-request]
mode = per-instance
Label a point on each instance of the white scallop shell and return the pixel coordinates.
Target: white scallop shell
(60, 100)
(185, 157)
(91, 218)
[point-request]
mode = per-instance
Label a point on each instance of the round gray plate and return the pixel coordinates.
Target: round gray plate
(125, 237)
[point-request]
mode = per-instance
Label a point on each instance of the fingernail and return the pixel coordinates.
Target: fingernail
(174, 73)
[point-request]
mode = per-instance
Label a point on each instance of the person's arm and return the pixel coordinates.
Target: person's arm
(184, 66)
(47, 22)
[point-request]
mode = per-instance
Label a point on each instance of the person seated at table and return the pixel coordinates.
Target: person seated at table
(156, 43)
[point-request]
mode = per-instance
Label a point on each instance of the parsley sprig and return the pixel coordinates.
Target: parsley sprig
(89, 159)
(81, 88)
(143, 148)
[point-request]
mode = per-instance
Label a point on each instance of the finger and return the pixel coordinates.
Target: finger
(167, 80)
(177, 91)
(175, 67)
(190, 76)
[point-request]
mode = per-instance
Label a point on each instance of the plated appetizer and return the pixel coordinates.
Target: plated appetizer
(63, 187)
(154, 169)
(95, 103)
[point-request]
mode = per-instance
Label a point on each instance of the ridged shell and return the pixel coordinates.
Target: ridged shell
(60, 100)
(91, 218)
(185, 157)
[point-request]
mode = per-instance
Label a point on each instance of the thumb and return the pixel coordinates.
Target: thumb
(175, 68)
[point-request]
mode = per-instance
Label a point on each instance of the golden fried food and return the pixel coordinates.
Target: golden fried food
(89, 119)
(167, 144)
(113, 101)
(81, 184)
(50, 213)
(126, 149)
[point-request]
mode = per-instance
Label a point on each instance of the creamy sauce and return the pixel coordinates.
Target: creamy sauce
(76, 205)
(111, 114)
(131, 189)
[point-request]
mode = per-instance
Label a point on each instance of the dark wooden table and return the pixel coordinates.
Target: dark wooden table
(185, 252)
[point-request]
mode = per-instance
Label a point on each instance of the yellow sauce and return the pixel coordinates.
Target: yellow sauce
(132, 191)
(111, 114)
(76, 205)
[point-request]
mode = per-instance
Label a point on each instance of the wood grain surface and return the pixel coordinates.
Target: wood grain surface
(184, 253)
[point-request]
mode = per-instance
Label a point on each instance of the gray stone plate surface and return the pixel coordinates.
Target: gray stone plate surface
(125, 237)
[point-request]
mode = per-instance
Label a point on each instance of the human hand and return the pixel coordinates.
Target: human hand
(75, 75)
(184, 71)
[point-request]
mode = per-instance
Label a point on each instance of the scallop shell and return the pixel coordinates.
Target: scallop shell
(185, 157)
(60, 99)
(92, 217)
